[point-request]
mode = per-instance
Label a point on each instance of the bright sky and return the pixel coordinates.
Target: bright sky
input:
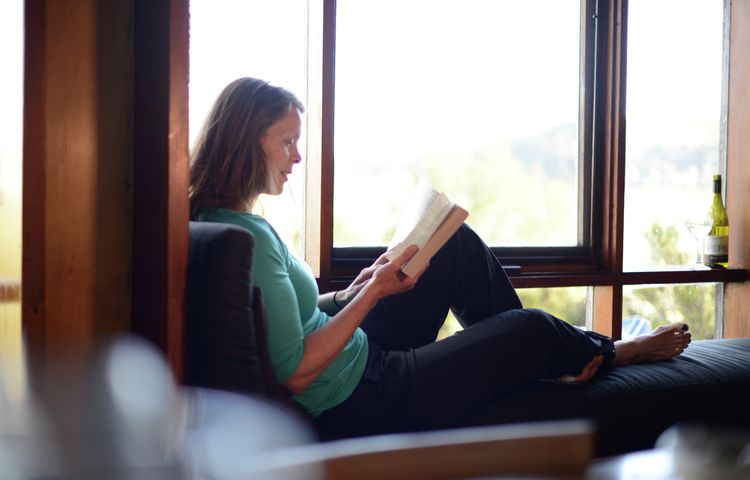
(416, 77)
(460, 55)
(11, 97)
(244, 38)
(459, 74)
(454, 57)
(674, 70)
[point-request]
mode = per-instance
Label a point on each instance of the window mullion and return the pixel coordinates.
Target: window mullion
(609, 156)
(736, 295)
(318, 229)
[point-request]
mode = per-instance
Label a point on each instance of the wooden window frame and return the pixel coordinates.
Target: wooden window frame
(599, 262)
(347, 262)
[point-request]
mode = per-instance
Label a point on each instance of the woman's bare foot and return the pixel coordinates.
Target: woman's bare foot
(662, 343)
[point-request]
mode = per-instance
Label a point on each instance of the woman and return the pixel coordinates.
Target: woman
(364, 360)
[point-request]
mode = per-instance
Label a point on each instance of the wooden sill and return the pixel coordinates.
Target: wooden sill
(536, 279)
(10, 290)
(669, 275)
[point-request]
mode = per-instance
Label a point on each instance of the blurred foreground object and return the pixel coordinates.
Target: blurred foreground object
(708, 451)
(120, 415)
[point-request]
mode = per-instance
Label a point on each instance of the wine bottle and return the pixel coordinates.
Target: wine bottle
(715, 250)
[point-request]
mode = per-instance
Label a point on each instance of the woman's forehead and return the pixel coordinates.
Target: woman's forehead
(291, 121)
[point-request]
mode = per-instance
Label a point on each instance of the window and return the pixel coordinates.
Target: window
(568, 303)
(673, 147)
(649, 306)
(471, 96)
(231, 39)
(11, 122)
(518, 111)
(674, 96)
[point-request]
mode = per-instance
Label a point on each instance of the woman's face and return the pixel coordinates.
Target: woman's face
(279, 145)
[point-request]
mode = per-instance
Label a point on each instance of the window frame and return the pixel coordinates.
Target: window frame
(597, 261)
(347, 261)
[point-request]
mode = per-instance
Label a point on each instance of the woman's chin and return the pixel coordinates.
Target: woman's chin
(275, 191)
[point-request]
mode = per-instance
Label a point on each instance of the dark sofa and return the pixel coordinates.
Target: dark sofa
(631, 406)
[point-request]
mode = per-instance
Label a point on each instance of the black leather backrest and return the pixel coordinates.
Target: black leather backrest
(225, 339)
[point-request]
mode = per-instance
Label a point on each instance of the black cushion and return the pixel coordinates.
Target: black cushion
(632, 405)
(708, 384)
(225, 328)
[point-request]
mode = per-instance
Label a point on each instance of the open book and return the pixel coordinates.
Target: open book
(428, 222)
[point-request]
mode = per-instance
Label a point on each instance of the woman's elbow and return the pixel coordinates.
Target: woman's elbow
(296, 385)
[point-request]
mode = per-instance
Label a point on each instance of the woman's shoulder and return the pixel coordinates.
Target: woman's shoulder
(265, 235)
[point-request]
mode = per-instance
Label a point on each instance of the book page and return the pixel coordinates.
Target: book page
(425, 212)
(456, 216)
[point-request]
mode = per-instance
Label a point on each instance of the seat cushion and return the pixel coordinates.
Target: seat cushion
(225, 329)
(632, 405)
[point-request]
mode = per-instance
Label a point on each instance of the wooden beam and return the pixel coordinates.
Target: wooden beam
(314, 182)
(33, 270)
(77, 164)
(737, 295)
(161, 174)
(606, 311)
(607, 301)
(325, 194)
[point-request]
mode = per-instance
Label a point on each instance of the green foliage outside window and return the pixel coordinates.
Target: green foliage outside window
(693, 303)
(659, 304)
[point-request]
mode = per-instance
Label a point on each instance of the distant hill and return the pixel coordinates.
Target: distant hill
(556, 151)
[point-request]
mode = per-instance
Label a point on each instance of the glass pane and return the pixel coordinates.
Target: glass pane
(230, 39)
(674, 84)
(647, 306)
(471, 95)
(11, 147)
(566, 303)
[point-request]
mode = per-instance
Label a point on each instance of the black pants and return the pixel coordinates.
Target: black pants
(412, 382)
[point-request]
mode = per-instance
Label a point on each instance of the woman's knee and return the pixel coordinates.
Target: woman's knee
(526, 320)
(540, 320)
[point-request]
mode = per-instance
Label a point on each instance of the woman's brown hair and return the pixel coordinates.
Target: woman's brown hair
(227, 164)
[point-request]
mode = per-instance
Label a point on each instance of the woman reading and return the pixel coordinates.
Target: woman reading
(364, 359)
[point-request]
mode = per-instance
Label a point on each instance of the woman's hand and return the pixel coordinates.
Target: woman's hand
(386, 277)
(382, 279)
(390, 278)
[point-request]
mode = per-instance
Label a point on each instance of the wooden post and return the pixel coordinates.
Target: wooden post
(161, 174)
(77, 164)
(737, 295)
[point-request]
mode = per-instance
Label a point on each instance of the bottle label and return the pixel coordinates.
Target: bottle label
(716, 247)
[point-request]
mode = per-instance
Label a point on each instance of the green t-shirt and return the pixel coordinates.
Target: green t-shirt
(290, 295)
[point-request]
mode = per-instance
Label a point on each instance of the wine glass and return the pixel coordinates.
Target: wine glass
(698, 229)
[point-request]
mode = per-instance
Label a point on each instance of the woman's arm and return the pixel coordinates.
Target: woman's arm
(330, 303)
(321, 347)
(333, 302)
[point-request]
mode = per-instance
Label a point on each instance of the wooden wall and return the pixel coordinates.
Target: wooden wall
(77, 172)
(737, 295)
(160, 172)
(105, 173)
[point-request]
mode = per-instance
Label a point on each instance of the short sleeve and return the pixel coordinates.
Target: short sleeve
(285, 333)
